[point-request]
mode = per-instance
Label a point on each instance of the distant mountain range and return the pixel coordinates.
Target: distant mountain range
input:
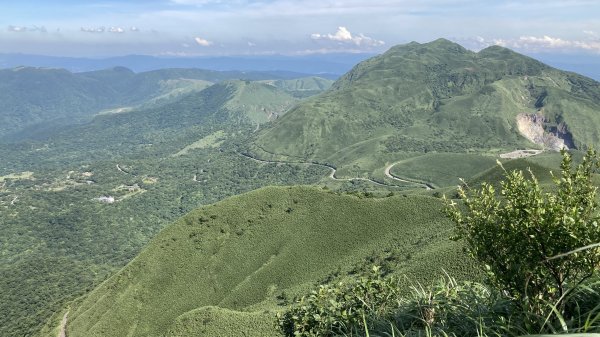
(326, 65)
(36, 100)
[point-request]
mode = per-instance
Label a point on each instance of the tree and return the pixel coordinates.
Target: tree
(520, 236)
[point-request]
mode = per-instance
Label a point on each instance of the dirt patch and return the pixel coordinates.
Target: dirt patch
(520, 154)
(63, 326)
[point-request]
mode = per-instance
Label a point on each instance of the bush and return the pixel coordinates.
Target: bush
(341, 308)
(521, 235)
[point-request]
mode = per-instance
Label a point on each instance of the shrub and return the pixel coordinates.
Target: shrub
(517, 235)
(341, 308)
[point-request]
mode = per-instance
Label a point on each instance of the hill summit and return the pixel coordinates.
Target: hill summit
(440, 97)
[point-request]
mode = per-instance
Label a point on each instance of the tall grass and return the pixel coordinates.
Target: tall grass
(447, 308)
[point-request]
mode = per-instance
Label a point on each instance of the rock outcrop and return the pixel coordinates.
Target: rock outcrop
(535, 128)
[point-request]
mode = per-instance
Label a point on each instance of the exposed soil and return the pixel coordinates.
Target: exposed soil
(520, 154)
(534, 128)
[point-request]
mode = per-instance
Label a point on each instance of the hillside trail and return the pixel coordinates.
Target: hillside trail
(63, 326)
(334, 170)
(427, 186)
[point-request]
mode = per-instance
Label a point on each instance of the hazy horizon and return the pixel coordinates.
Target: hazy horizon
(104, 28)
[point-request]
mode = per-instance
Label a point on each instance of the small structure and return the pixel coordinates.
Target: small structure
(106, 199)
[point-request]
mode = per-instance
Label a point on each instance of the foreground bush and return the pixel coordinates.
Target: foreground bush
(448, 308)
(529, 240)
(341, 308)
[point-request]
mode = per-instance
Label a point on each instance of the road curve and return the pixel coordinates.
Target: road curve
(334, 170)
(388, 174)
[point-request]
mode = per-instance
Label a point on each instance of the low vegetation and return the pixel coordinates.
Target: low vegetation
(260, 250)
(540, 251)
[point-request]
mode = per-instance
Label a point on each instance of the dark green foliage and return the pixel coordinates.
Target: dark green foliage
(446, 308)
(336, 309)
(517, 235)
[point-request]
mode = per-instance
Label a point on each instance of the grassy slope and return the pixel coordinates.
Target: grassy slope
(443, 169)
(260, 102)
(438, 96)
(302, 87)
(239, 254)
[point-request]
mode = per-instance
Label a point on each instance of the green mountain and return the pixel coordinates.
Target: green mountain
(82, 201)
(437, 97)
(38, 100)
(239, 260)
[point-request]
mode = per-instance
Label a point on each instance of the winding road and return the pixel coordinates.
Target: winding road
(427, 186)
(334, 170)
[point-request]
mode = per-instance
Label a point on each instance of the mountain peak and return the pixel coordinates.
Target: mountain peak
(435, 46)
(445, 44)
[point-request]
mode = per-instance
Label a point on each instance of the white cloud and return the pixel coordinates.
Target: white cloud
(93, 29)
(17, 29)
(540, 44)
(343, 36)
(203, 42)
(117, 30)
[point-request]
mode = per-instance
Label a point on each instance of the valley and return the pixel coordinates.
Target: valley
(182, 202)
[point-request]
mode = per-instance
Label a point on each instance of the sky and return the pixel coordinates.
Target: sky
(101, 28)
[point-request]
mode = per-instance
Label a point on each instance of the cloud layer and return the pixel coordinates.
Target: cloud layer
(343, 36)
(545, 43)
(225, 27)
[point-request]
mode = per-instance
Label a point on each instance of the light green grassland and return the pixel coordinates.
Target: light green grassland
(17, 176)
(213, 140)
(443, 169)
(243, 253)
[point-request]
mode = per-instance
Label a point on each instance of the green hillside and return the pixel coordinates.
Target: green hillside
(232, 260)
(302, 87)
(158, 163)
(436, 97)
(35, 101)
(260, 102)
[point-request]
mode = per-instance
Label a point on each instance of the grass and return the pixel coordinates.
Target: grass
(443, 169)
(302, 87)
(249, 252)
(213, 140)
(258, 101)
(57, 241)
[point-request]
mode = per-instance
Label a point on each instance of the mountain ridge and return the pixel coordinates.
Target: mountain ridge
(437, 96)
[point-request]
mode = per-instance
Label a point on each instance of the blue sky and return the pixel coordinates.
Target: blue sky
(240, 27)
